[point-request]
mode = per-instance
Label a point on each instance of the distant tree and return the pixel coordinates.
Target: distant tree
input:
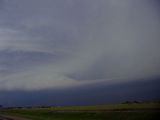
(127, 102)
(1, 106)
(131, 102)
(136, 101)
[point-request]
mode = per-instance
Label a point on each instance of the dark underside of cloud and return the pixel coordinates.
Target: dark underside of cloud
(85, 95)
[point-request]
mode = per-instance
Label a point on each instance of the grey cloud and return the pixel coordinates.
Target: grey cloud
(125, 46)
(64, 43)
(1, 4)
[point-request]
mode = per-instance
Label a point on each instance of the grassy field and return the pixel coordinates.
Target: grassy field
(143, 111)
(110, 107)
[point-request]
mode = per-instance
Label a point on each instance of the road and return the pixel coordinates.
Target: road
(2, 117)
(5, 118)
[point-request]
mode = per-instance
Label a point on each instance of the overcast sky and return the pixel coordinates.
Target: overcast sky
(66, 43)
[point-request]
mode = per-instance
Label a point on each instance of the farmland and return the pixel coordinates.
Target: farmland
(140, 111)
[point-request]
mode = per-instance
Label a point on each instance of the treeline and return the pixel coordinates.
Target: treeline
(135, 101)
(43, 106)
(28, 107)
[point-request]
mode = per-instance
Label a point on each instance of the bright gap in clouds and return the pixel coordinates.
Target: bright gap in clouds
(65, 43)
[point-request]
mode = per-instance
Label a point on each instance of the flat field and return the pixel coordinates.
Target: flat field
(140, 111)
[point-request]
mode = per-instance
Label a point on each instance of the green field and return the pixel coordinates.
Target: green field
(143, 111)
(110, 107)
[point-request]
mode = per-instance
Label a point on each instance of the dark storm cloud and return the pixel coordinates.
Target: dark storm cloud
(66, 43)
(142, 90)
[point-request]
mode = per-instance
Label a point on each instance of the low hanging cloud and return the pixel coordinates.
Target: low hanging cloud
(65, 43)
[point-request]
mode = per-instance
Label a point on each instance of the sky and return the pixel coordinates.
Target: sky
(64, 44)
